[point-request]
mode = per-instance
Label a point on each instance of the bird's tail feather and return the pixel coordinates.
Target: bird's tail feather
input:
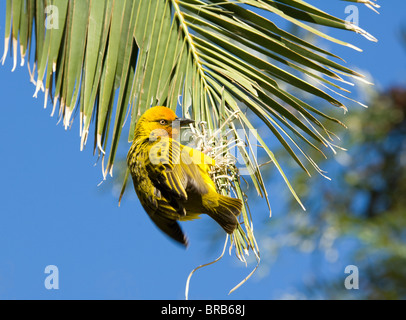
(225, 214)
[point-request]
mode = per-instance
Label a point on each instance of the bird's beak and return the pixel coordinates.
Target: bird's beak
(184, 121)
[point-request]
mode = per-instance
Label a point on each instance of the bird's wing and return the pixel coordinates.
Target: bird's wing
(170, 227)
(175, 169)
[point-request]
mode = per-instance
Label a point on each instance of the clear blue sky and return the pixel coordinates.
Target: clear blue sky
(53, 213)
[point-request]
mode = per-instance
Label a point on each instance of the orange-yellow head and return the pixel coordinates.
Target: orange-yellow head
(161, 121)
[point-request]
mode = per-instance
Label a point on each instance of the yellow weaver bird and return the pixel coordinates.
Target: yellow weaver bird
(171, 180)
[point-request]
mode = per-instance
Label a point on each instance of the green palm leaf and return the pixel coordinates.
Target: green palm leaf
(112, 59)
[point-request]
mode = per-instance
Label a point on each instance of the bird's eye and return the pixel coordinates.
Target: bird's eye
(163, 122)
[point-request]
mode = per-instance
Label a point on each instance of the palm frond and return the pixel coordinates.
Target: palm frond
(215, 59)
(371, 4)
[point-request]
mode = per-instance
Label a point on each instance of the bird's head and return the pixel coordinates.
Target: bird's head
(160, 121)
